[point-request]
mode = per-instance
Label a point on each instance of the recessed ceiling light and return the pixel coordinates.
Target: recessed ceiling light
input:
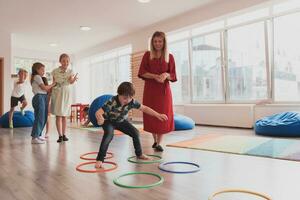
(144, 1)
(85, 28)
(52, 44)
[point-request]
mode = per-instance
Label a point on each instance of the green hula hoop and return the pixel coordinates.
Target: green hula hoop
(117, 182)
(145, 161)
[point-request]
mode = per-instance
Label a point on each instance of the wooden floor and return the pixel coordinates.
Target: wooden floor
(47, 171)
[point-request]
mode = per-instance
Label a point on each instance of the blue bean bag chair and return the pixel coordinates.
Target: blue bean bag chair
(183, 123)
(96, 104)
(285, 124)
(19, 120)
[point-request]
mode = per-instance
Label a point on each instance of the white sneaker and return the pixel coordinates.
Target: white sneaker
(37, 141)
(42, 138)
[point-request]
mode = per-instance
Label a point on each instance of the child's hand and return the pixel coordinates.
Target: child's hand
(99, 117)
(74, 78)
(162, 117)
(100, 121)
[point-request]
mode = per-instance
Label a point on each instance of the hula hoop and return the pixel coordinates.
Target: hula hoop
(160, 181)
(94, 152)
(145, 161)
(162, 167)
(239, 191)
(96, 170)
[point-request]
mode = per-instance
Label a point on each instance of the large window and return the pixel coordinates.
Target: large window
(103, 73)
(180, 89)
(247, 77)
(259, 52)
(287, 58)
(206, 68)
(26, 63)
(107, 75)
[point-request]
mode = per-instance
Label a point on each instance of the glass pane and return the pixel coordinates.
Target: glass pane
(180, 89)
(287, 58)
(116, 71)
(248, 17)
(172, 37)
(124, 69)
(246, 63)
(26, 63)
(107, 81)
(208, 28)
(286, 6)
(206, 68)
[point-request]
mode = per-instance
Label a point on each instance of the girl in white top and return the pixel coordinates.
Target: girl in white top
(18, 95)
(61, 95)
(39, 102)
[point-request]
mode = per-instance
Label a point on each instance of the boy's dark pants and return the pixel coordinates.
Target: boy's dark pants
(123, 126)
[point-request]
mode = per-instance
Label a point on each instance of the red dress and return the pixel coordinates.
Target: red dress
(158, 96)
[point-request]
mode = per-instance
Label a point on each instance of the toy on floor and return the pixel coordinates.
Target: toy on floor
(286, 124)
(183, 122)
(96, 104)
(19, 120)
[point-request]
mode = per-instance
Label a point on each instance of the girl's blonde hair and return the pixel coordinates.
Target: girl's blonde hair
(64, 55)
(21, 70)
(165, 52)
(35, 67)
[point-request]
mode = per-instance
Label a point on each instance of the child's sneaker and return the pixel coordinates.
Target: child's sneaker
(65, 138)
(23, 112)
(37, 141)
(11, 125)
(60, 139)
(42, 139)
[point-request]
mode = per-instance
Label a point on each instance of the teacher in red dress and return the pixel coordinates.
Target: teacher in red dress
(158, 70)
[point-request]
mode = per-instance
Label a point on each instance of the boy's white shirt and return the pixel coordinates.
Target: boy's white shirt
(19, 89)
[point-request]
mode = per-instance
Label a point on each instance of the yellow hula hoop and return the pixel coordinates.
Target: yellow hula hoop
(239, 191)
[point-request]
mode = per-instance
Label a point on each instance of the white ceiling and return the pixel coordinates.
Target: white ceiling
(37, 23)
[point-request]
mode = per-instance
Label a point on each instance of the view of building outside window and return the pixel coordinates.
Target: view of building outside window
(206, 68)
(287, 58)
(180, 52)
(247, 75)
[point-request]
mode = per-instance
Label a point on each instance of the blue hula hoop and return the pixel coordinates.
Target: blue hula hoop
(162, 167)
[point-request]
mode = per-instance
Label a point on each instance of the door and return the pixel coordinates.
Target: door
(1, 85)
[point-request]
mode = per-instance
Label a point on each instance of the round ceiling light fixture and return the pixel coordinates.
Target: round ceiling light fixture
(144, 1)
(85, 28)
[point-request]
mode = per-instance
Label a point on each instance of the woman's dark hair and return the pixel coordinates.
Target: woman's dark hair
(126, 89)
(35, 67)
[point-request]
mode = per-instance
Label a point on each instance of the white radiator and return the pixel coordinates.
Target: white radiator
(233, 115)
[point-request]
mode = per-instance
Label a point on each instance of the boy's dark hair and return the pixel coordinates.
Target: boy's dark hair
(126, 89)
(45, 80)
